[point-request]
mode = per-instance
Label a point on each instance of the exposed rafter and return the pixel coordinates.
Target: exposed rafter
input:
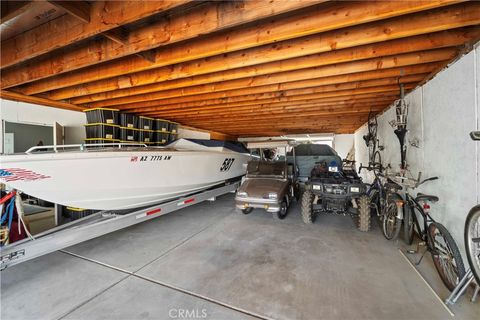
(8, 95)
(267, 67)
(63, 31)
(205, 18)
(332, 17)
(77, 9)
(12, 9)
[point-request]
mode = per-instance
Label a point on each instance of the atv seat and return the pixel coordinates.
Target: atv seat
(426, 197)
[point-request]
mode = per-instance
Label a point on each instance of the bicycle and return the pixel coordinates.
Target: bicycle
(440, 243)
(385, 201)
(472, 232)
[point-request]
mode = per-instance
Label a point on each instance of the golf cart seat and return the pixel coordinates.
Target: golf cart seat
(426, 197)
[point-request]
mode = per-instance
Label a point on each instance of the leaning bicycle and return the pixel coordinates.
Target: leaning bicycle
(439, 242)
(472, 232)
(385, 201)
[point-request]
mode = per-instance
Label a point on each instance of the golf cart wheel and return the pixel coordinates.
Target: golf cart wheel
(307, 212)
(364, 215)
(247, 210)
(282, 213)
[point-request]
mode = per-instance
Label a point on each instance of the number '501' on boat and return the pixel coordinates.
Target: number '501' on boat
(119, 176)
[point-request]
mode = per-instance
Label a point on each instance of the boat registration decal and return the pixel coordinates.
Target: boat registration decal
(150, 158)
(17, 174)
(227, 164)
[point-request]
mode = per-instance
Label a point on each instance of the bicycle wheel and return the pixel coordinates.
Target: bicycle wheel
(377, 163)
(472, 241)
(445, 255)
(391, 224)
(408, 224)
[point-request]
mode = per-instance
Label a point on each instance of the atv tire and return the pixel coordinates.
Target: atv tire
(307, 212)
(364, 214)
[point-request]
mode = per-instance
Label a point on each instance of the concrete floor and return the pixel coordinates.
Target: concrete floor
(208, 262)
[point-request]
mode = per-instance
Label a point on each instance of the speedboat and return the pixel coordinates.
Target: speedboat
(120, 176)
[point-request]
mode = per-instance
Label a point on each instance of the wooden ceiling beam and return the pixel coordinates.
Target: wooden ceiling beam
(303, 111)
(12, 9)
(295, 80)
(118, 35)
(296, 128)
(288, 95)
(283, 105)
(204, 18)
(275, 107)
(317, 72)
(8, 95)
(319, 19)
(307, 116)
(296, 90)
(299, 122)
(205, 67)
(63, 31)
(283, 110)
(271, 98)
(77, 9)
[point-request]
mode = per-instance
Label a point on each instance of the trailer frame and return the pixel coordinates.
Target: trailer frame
(98, 224)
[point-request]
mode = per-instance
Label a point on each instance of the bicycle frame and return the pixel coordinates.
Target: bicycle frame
(427, 219)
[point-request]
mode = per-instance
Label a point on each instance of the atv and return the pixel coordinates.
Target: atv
(336, 188)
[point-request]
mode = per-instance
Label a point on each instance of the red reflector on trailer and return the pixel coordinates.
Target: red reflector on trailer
(189, 201)
(153, 211)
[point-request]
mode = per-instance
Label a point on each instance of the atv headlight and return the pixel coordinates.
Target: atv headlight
(242, 194)
(317, 187)
(354, 189)
(272, 196)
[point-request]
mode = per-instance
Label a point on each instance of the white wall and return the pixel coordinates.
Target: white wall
(441, 114)
(343, 143)
(192, 134)
(21, 112)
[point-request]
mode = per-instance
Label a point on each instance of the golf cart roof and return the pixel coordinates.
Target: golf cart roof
(269, 144)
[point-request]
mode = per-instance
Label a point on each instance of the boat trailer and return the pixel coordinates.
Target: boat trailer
(98, 224)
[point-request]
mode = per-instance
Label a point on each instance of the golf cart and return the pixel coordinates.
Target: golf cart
(271, 181)
(333, 186)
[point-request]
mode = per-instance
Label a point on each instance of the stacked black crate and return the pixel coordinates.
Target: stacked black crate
(160, 134)
(145, 125)
(173, 128)
(102, 126)
(129, 130)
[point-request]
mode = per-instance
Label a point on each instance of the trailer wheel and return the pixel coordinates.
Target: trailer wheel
(364, 214)
(307, 213)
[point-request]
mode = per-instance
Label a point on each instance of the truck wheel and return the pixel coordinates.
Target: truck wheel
(307, 212)
(282, 213)
(247, 210)
(364, 215)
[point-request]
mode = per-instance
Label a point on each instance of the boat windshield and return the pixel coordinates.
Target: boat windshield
(266, 169)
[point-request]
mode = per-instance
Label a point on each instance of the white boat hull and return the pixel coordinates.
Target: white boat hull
(120, 179)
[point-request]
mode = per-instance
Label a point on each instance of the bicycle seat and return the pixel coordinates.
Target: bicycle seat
(426, 197)
(392, 186)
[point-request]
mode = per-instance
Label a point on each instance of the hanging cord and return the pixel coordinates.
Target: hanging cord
(20, 215)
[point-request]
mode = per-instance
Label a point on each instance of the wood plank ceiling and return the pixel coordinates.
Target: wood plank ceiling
(243, 68)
